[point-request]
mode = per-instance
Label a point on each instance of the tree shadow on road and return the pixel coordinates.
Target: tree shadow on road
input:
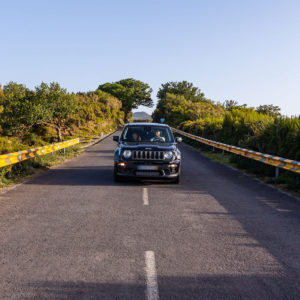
(268, 217)
(86, 176)
(180, 287)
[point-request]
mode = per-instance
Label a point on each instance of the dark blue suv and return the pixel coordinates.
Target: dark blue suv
(147, 151)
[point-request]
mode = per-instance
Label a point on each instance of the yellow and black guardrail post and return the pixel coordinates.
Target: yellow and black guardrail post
(276, 161)
(15, 157)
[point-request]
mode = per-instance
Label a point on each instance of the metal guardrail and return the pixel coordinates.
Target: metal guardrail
(96, 140)
(276, 161)
(15, 157)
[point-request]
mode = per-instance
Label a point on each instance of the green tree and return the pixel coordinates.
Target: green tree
(232, 104)
(175, 109)
(269, 109)
(183, 88)
(54, 107)
(185, 91)
(22, 108)
(98, 110)
(131, 92)
(16, 104)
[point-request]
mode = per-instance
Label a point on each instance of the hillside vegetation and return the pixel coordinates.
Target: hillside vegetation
(262, 129)
(48, 114)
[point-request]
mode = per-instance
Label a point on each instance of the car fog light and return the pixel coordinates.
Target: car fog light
(122, 164)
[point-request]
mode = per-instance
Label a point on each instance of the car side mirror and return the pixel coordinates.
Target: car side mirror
(178, 139)
(116, 138)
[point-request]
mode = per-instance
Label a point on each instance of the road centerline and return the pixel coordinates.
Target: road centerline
(145, 196)
(151, 277)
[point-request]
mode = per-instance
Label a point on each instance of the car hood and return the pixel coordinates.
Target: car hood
(148, 146)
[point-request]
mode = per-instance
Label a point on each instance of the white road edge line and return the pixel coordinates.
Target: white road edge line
(151, 277)
(145, 196)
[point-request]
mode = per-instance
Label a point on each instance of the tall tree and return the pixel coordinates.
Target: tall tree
(183, 88)
(22, 108)
(230, 104)
(131, 92)
(269, 109)
(16, 103)
(54, 106)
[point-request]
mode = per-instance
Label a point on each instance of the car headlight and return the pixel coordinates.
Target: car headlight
(168, 155)
(127, 153)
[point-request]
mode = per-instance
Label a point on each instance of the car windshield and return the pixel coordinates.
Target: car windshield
(144, 133)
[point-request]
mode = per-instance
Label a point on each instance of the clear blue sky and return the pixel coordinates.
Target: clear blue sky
(246, 50)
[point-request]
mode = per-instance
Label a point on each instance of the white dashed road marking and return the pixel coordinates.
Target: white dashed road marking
(145, 196)
(151, 277)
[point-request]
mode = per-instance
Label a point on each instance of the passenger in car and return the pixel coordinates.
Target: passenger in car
(135, 137)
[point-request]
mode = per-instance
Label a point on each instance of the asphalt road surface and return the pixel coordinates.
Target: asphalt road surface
(72, 233)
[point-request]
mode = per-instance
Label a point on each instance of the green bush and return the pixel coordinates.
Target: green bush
(262, 129)
(10, 144)
(48, 114)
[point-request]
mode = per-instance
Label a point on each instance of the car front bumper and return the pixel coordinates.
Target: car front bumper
(148, 170)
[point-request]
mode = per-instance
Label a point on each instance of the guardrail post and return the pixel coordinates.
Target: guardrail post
(276, 172)
(213, 149)
(64, 149)
(101, 135)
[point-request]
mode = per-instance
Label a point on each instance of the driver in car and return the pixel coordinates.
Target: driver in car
(157, 137)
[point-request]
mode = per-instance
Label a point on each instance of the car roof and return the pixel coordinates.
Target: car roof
(147, 124)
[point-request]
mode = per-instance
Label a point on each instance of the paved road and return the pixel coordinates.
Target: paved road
(72, 233)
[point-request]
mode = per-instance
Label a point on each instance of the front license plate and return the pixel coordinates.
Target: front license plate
(147, 173)
(147, 168)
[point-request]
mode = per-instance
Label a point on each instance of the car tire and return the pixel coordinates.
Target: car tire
(176, 180)
(117, 178)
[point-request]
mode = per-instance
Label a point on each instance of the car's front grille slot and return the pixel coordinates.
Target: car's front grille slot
(148, 155)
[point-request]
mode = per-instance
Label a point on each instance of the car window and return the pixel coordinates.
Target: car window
(144, 133)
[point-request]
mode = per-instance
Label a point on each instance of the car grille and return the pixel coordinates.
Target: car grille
(143, 154)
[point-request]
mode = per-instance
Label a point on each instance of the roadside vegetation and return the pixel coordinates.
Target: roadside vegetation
(49, 113)
(263, 128)
(15, 173)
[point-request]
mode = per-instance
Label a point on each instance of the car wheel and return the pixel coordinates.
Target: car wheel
(116, 177)
(176, 180)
